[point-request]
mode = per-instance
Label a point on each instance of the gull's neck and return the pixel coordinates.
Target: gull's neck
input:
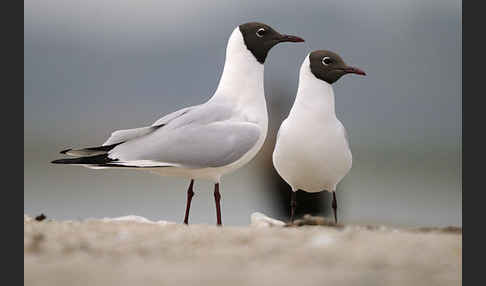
(314, 97)
(242, 78)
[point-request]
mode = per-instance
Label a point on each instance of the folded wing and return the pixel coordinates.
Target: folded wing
(193, 146)
(202, 136)
(121, 136)
(129, 134)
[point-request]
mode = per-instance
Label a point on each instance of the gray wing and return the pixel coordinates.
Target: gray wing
(207, 136)
(130, 134)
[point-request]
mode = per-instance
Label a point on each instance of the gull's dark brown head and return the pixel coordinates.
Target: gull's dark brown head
(329, 66)
(260, 38)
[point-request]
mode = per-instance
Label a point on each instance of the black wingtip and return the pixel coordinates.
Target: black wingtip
(92, 160)
(65, 151)
(59, 161)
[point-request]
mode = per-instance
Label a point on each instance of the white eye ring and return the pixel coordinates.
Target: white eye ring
(324, 61)
(260, 32)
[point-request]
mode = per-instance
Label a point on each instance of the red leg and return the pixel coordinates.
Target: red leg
(190, 194)
(334, 206)
(217, 198)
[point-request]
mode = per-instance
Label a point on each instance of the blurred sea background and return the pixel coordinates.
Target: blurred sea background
(95, 66)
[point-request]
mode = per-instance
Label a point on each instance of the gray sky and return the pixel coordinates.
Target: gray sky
(92, 67)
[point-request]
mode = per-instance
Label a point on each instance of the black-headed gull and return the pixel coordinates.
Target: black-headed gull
(312, 151)
(204, 141)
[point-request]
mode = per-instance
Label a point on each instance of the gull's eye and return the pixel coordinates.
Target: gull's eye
(326, 61)
(260, 32)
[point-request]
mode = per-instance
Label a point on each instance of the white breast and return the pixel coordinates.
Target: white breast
(312, 159)
(312, 152)
(241, 86)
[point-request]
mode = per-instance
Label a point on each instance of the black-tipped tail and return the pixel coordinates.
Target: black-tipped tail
(92, 160)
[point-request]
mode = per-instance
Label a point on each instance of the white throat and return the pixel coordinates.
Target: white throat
(314, 96)
(242, 78)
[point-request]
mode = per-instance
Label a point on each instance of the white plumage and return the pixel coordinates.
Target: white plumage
(312, 152)
(204, 141)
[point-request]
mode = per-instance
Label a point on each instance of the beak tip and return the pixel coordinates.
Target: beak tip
(290, 38)
(357, 71)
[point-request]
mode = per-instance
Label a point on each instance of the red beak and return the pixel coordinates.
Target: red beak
(290, 38)
(353, 70)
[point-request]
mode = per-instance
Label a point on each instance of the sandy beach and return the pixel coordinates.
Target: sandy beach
(135, 251)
